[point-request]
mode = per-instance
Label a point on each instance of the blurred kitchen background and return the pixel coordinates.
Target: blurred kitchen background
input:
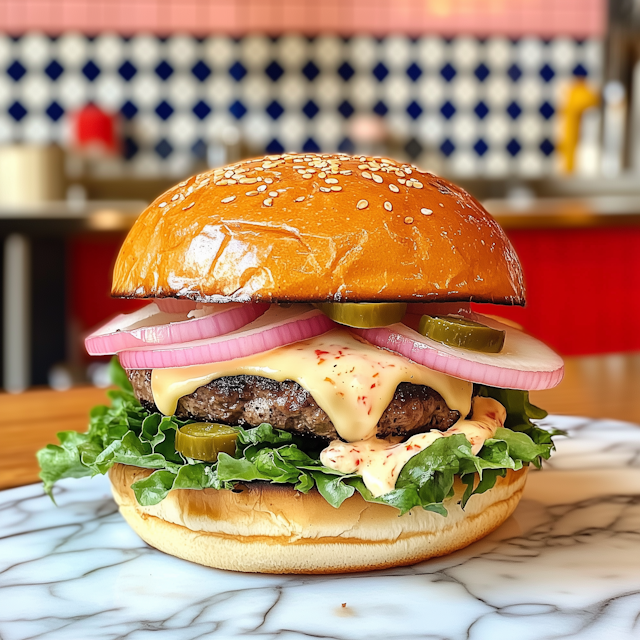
(532, 105)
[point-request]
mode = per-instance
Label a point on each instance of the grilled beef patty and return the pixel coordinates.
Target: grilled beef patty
(252, 400)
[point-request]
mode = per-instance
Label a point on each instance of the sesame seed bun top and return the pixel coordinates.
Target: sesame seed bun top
(307, 227)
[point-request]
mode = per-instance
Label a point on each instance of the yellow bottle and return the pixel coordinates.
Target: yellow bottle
(579, 97)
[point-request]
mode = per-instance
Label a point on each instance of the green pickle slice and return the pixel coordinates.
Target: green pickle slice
(204, 440)
(364, 315)
(457, 331)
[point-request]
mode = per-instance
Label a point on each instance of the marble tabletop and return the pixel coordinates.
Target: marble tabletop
(565, 565)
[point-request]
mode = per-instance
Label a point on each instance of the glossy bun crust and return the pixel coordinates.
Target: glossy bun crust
(268, 528)
(318, 227)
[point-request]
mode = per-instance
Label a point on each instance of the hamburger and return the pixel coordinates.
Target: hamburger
(309, 389)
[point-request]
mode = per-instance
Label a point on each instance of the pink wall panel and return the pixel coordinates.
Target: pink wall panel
(545, 18)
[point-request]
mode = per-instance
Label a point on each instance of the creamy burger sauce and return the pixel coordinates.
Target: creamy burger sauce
(351, 380)
(380, 462)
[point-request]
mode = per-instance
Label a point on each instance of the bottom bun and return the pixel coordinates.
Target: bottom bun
(270, 528)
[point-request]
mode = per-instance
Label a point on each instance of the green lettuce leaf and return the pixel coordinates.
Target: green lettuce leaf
(126, 433)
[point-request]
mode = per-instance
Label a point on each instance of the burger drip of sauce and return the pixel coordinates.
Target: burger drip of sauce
(350, 379)
(380, 462)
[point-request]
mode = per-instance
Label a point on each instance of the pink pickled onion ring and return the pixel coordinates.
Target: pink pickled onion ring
(173, 305)
(524, 362)
(151, 325)
(277, 327)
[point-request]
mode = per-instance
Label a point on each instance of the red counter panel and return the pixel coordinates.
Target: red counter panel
(583, 288)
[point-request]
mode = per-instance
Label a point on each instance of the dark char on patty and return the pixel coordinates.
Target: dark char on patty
(251, 400)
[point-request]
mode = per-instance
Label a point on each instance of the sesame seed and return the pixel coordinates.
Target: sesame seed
(262, 187)
(394, 188)
(267, 202)
(331, 181)
(268, 180)
(408, 220)
(248, 180)
(175, 197)
(183, 183)
(426, 212)
(363, 166)
(366, 174)
(336, 188)
(440, 203)
(401, 180)
(300, 199)
(162, 204)
(400, 174)
(221, 183)
(377, 178)
(273, 194)
(232, 182)
(251, 193)
(228, 174)
(325, 189)
(407, 171)
(417, 184)
(388, 206)
(188, 206)
(322, 174)
(306, 176)
(362, 204)
(227, 200)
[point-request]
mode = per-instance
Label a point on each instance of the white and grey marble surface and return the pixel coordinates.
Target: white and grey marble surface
(565, 565)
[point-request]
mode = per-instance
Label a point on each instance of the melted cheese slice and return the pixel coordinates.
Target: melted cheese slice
(380, 462)
(350, 379)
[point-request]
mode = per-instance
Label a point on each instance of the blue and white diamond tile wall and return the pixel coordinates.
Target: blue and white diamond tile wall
(467, 106)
